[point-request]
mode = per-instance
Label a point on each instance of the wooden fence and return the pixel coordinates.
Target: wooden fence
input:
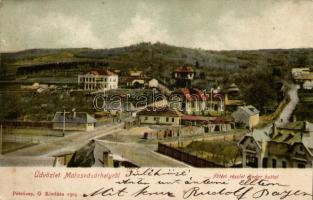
(27, 124)
(185, 157)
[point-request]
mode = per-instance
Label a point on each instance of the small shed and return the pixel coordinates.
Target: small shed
(73, 121)
(246, 115)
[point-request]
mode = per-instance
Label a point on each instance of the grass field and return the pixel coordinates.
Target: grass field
(12, 146)
(32, 132)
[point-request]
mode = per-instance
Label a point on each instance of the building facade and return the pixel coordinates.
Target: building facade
(233, 98)
(286, 147)
(184, 76)
(98, 80)
(303, 76)
(248, 116)
(195, 102)
(159, 116)
(73, 121)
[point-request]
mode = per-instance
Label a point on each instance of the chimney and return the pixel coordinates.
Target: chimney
(305, 126)
(108, 159)
(105, 159)
(274, 129)
(74, 112)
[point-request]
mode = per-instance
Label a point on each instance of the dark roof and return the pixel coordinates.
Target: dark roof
(245, 111)
(159, 111)
(233, 87)
(70, 117)
(298, 125)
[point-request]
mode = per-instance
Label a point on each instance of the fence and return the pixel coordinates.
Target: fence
(27, 124)
(18, 139)
(185, 157)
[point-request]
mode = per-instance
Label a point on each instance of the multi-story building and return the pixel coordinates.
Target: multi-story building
(233, 97)
(97, 79)
(195, 102)
(289, 146)
(183, 76)
(303, 76)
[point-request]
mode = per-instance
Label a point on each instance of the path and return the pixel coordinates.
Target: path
(70, 142)
(287, 111)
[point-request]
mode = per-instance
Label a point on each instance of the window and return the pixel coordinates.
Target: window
(154, 118)
(274, 163)
(301, 166)
(146, 118)
(284, 164)
(167, 119)
(173, 119)
(264, 163)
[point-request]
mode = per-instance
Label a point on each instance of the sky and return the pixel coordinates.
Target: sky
(206, 24)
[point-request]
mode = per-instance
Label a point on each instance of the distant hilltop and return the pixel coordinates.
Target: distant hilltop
(157, 57)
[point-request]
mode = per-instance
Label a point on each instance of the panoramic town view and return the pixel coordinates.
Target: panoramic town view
(155, 103)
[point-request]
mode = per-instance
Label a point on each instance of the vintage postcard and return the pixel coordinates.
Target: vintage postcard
(156, 99)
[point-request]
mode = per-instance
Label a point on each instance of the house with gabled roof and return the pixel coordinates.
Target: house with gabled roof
(290, 146)
(246, 115)
(233, 97)
(159, 116)
(73, 121)
(184, 76)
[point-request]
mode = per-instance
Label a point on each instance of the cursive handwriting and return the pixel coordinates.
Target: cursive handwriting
(197, 192)
(156, 172)
(260, 182)
(144, 192)
(282, 194)
(139, 181)
(108, 192)
(244, 192)
(205, 181)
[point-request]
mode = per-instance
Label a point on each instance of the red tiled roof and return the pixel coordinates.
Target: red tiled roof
(201, 94)
(194, 118)
(186, 93)
(184, 69)
(102, 72)
(196, 94)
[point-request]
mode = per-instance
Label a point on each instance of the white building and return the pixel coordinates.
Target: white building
(97, 79)
(247, 115)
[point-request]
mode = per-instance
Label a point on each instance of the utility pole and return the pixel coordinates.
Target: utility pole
(179, 132)
(211, 95)
(63, 132)
(1, 139)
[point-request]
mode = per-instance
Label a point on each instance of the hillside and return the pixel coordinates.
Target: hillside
(145, 55)
(259, 73)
